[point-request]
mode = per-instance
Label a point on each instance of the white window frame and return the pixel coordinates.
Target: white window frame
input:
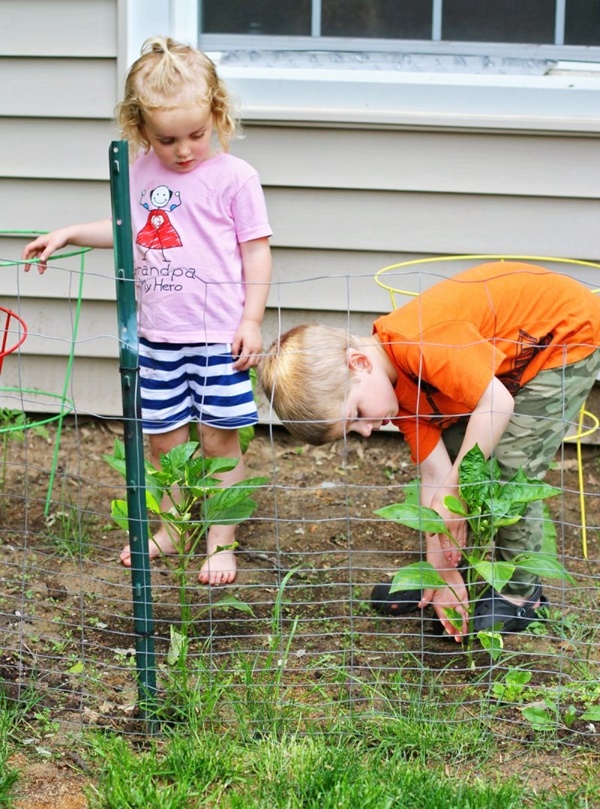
(565, 99)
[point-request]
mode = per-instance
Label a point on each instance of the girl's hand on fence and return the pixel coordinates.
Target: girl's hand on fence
(247, 345)
(43, 247)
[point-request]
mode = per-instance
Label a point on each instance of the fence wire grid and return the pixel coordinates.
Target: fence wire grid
(295, 636)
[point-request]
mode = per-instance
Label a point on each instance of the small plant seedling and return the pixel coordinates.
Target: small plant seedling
(487, 504)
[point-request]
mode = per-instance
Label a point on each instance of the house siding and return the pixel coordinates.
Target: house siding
(344, 200)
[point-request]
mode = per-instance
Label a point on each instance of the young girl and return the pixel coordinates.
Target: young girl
(202, 266)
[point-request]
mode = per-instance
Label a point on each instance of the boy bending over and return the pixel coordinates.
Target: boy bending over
(502, 355)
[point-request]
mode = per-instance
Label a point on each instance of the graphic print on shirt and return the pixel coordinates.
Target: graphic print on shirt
(528, 348)
(427, 389)
(158, 233)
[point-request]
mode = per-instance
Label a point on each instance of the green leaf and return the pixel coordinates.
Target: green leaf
(477, 479)
(521, 489)
(496, 574)
(232, 504)
(455, 505)
(418, 576)
(419, 517)
(177, 457)
(542, 565)
(592, 714)
(454, 616)
(540, 718)
(518, 677)
(230, 602)
(154, 500)
(412, 492)
(118, 510)
(492, 642)
(177, 646)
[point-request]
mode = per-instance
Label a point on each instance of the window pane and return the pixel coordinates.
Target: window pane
(256, 17)
(582, 24)
(499, 21)
(385, 19)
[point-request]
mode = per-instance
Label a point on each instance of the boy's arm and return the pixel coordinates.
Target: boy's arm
(91, 234)
(439, 477)
(257, 264)
(488, 421)
(436, 473)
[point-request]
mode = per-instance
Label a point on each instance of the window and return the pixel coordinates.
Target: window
(530, 22)
(527, 65)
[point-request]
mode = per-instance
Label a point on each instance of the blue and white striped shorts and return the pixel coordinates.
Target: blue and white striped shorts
(197, 382)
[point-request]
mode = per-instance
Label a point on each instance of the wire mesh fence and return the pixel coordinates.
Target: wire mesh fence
(294, 641)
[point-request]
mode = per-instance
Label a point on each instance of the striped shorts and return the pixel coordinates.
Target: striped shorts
(197, 382)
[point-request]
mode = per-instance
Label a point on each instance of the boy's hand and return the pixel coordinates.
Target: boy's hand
(43, 247)
(454, 523)
(247, 345)
(454, 596)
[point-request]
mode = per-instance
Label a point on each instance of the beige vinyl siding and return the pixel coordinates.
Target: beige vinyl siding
(344, 200)
(73, 28)
(404, 160)
(54, 149)
(58, 87)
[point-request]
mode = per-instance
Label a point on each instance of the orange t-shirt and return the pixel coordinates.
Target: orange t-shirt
(502, 319)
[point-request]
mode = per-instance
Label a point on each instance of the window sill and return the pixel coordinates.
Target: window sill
(558, 99)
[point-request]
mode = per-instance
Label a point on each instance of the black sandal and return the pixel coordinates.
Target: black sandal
(492, 611)
(402, 602)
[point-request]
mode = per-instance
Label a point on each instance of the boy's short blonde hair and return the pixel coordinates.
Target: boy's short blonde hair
(157, 80)
(305, 376)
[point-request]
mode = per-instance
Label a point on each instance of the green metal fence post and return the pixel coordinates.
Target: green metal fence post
(133, 438)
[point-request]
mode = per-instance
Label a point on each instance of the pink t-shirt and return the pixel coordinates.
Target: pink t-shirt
(187, 230)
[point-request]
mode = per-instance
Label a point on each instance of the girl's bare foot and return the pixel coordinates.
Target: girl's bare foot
(159, 545)
(220, 566)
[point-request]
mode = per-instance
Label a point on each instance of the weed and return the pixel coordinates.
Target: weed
(8, 775)
(69, 528)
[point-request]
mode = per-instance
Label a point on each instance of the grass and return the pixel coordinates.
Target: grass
(11, 721)
(240, 737)
(243, 738)
(251, 732)
(324, 772)
(369, 763)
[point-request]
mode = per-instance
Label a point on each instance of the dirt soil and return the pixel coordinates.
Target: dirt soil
(65, 602)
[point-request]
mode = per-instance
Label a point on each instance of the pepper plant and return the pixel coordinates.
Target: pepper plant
(487, 503)
(196, 499)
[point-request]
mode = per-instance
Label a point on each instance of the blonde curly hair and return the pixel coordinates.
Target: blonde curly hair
(306, 377)
(164, 72)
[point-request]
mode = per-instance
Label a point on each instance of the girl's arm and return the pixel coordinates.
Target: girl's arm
(91, 234)
(257, 264)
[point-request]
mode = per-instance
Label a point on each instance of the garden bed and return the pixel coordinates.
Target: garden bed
(66, 611)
